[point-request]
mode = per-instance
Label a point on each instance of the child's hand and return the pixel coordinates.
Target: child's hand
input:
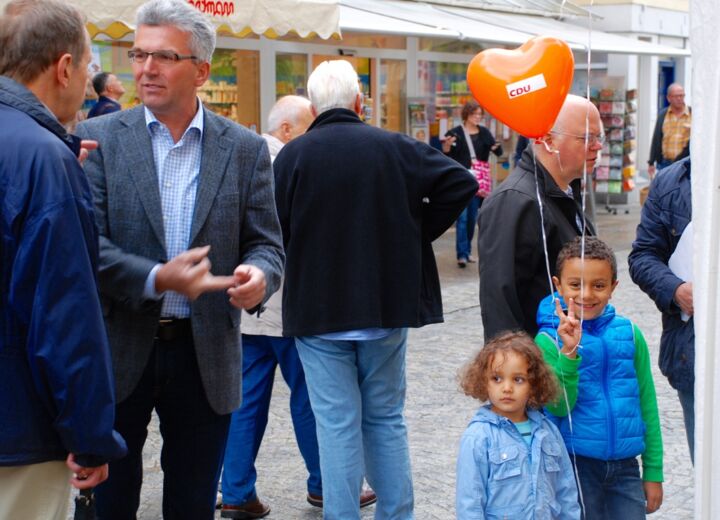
(653, 495)
(569, 329)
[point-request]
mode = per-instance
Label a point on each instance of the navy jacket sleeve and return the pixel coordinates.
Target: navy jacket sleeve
(54, 290)
(652, 248)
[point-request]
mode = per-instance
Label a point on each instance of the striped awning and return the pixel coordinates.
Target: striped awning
(240, 18)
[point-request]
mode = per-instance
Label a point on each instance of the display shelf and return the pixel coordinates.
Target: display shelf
(615, 171)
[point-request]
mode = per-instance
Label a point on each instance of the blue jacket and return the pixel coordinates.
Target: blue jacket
(104, 105)
(607, 421)
(667, 210)
(56, 391)
(500, 476)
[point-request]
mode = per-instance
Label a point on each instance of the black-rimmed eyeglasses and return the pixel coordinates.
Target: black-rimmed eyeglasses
(159, 57)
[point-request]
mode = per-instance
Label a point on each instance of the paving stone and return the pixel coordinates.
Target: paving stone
(437, 412)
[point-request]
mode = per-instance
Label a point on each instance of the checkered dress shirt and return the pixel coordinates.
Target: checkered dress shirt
(676, 133)
(178, 169)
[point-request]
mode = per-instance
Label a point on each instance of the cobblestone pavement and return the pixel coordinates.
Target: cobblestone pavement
(437, 412)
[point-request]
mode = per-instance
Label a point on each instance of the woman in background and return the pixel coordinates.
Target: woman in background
(456, 144)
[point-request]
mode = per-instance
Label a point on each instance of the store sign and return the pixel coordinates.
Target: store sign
(214, 8)
(525, 86)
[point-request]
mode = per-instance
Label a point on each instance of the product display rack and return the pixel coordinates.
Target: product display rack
(221, 97)
(615, 171)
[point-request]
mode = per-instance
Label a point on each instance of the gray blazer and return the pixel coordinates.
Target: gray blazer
(234, 214)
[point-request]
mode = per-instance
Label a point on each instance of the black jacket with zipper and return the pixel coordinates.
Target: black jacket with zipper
(513, 273)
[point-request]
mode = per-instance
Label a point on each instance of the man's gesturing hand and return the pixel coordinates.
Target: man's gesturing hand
(189, 274)
(249, 287)
(85, 146)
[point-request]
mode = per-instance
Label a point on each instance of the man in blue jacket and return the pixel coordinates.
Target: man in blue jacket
(665, 214)
(109, 89)
(56, 393)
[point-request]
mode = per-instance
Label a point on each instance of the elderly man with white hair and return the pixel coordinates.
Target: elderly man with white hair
(264, 349)
(359, 208)
(289, 118)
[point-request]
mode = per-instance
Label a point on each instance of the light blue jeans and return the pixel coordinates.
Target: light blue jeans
(357, 392)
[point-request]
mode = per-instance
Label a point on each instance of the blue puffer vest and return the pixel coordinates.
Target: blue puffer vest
(606, 421)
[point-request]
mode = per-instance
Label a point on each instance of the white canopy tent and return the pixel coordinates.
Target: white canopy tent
(705, 152)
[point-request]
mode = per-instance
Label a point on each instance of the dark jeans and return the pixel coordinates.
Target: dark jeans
(610, 489)
(687, 401)
(193, 435)
(261, 355)
(465, 228)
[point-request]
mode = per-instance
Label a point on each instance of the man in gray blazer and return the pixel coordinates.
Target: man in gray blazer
(177, 188)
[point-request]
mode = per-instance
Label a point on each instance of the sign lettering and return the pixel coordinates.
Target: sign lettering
(526, 86)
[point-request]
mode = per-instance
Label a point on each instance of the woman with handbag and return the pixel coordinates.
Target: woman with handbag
(470, 144)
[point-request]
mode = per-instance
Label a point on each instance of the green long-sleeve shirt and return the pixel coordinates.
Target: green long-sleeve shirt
(566, 370)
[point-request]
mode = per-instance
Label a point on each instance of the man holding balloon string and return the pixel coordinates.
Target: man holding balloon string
(526, 221)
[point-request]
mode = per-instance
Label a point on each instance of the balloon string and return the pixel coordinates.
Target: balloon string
(541, 208)
(584, 187)
(556, 322)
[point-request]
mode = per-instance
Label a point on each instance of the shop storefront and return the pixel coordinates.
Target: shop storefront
(411, 58)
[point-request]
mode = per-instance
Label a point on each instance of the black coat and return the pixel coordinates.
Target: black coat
(483, 141)
(513, 274)
(359, 208)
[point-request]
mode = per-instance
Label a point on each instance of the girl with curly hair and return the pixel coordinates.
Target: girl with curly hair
(512, 461)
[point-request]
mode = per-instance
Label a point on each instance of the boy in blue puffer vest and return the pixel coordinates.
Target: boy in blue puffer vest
(602, 362)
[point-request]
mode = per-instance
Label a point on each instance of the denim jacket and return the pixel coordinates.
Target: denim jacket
(500, 477)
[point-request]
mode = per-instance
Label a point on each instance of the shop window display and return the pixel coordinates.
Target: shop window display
(112, 57)
(393, 95)
(456, 46)
(233, 88)
(447, 84)
(291, 75)
(444, 86)
(366, 70)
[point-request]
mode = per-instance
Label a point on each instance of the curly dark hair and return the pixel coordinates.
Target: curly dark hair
(543, 383)
(595, 249)
(469, 108)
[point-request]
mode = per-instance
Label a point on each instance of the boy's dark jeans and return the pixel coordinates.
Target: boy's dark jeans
(610, 489)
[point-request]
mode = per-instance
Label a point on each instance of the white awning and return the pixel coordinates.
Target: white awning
(360, 20)
(428, 19)
(271, 18)
(489, 26)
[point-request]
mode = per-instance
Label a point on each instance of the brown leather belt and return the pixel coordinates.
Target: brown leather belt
(170, 329)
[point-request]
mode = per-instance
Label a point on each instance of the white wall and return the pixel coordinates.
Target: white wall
(705, 155)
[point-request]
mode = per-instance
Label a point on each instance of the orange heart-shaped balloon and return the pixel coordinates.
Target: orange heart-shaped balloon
(524, 87)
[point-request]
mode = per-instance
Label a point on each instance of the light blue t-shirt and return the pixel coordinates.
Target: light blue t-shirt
(525, 429)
